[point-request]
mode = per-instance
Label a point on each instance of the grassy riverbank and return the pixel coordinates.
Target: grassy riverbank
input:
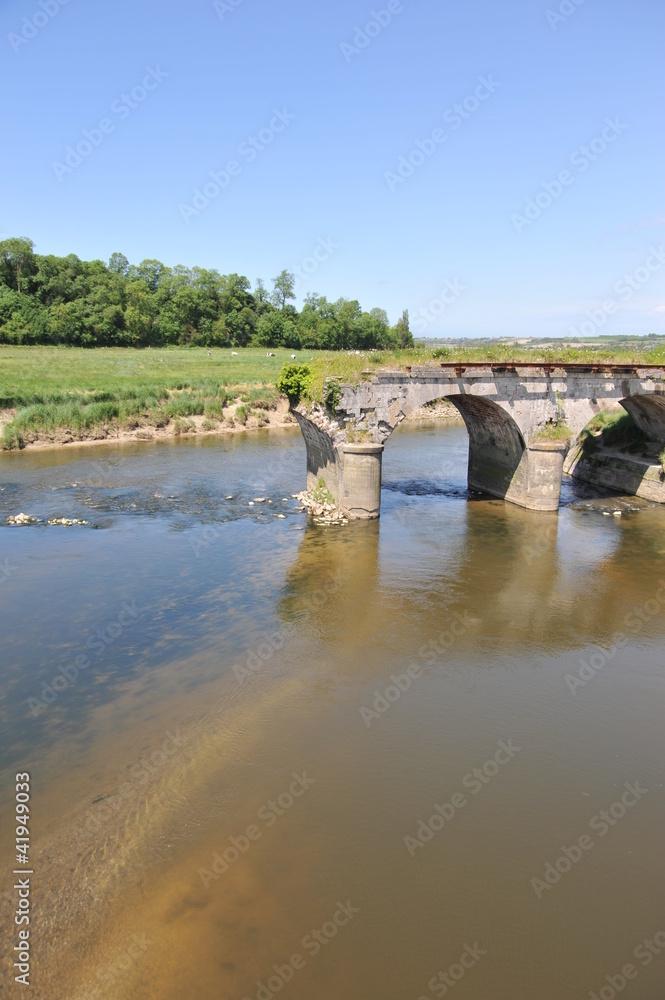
(59, 394)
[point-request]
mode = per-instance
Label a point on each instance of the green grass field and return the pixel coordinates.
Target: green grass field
(55, 374)
(46, 389)
(51, 388)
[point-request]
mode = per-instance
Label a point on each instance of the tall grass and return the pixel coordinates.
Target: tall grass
(87, 408)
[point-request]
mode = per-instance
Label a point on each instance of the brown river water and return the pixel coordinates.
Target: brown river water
(400, 760)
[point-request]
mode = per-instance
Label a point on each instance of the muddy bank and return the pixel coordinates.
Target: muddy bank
(441, 412)
(146, 430)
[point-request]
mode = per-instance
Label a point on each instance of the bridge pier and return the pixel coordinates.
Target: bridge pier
(544, 473)
(531, 480)
(361, 490)
(351, 472)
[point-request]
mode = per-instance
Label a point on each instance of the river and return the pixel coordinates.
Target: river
(396, 760)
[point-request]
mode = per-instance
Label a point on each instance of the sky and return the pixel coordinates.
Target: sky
(494, 168)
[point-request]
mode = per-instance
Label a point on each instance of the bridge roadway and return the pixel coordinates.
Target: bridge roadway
(507, 407)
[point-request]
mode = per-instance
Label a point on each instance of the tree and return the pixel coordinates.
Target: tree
(261, 298)
(88, 303)
(284, 288)
(139, 313)
(261, 292)
(17, 259)
(404, 335)
(150, 271)
(118, 263)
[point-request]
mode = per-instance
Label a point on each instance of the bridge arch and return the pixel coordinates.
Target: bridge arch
(496, 444)
(648, 412)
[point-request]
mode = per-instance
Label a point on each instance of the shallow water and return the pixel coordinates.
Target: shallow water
(247, 678)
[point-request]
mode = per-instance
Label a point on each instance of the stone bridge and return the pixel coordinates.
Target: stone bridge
(506, 407)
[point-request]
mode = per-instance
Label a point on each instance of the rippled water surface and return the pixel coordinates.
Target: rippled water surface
(239, 728)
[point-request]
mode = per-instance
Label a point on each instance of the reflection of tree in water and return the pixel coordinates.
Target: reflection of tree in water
(523, 579)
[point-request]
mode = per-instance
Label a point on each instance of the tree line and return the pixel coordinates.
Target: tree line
(64, 300)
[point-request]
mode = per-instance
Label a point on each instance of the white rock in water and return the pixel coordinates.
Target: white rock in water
(251, 503)
(229, 498)
(281, 515)
(259, 499)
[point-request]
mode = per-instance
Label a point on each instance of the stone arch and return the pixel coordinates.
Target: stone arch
(648, 412)
(502, 462)
(496, 444)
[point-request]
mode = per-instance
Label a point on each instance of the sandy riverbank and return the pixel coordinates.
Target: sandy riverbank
(279, 418)
(148, 431)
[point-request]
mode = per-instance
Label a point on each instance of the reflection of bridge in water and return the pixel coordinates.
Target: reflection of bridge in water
(506, 408)
(545, 585)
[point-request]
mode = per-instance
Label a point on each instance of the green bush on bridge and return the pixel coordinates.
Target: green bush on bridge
(295, 381)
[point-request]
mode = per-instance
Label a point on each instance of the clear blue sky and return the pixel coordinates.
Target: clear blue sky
(554, 82)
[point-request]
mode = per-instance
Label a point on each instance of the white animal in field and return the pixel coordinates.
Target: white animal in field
(209, 355)
(234, 354)
(293, 357)
(269, 354)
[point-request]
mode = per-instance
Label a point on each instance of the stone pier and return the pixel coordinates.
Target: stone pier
(361, 493)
